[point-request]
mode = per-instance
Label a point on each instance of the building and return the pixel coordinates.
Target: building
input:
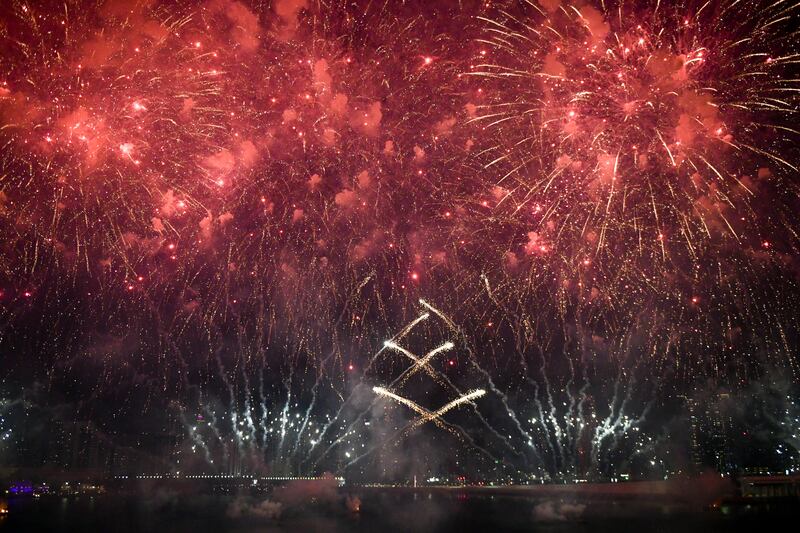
(710, 429)
(770, 486)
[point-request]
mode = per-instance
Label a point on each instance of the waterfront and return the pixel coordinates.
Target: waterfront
(385, 510)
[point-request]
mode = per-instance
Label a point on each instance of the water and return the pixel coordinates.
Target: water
(382, 511)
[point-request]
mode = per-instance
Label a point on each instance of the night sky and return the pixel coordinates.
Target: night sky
(387, 238)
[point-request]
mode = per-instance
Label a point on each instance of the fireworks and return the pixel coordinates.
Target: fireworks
(426, 415)
(222, 207)
(643, 158)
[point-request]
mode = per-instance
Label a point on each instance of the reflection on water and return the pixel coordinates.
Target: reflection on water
(381, 511)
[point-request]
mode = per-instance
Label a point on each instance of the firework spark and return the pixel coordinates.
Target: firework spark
(220, 208)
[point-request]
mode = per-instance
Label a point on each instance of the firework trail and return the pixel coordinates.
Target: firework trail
(223, 206)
